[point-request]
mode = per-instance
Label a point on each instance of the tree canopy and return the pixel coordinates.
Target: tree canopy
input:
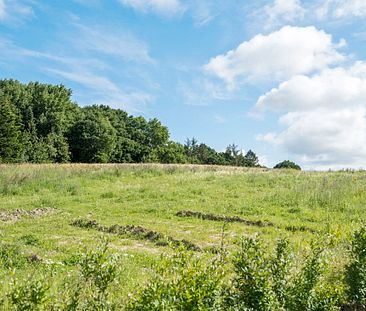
(40, 123)
(287, 164)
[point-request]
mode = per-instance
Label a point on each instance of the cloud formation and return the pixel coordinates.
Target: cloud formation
(284, 11)
(332, 88)
(350, 8)
(279, 56)
(325, 116)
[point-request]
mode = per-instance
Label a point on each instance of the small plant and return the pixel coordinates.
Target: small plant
(355, 273)
(99, 267)
(253, 282)
(30, 295)
(11, 256)
(182, 282)
(265, 282)
(98, 271)
(302, 292)
(280, 269)
(29, 239)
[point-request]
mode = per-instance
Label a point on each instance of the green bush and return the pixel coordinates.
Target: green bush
(182, 281)
(355, 273)
(267, 282)
(11, 256)
(287, 164)
(29, 295)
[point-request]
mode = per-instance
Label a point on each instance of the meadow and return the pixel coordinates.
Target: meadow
(54, 218)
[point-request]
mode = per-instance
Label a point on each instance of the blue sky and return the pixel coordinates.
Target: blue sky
(286, 78)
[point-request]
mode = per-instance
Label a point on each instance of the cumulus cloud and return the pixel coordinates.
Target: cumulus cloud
(332, 88)
(324, 137)
(324, 117)
(284, 11)
(279, 55)
(162, 7)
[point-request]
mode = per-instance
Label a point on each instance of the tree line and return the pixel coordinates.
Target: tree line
(39, 123)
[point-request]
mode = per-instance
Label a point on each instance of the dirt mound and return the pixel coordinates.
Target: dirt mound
(14, 215)
(213, 217)
(300, 229)
(138, 232)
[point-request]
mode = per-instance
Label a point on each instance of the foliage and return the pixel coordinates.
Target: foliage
(11, 256)
(182, 282)
(29, 295)
(11, 146)
(39, 123)
(92, 140)
(355, 275)
(266, 282)
(287, 164)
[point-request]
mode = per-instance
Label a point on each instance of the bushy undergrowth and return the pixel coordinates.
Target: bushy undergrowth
(355, 276)
(182, 281)
(251, 279)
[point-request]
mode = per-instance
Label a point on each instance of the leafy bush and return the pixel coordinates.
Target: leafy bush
(11, 256)
(182, 282)
(355, 273)
(30, 295)
(265, 282)
(29, 239)
(287, 164)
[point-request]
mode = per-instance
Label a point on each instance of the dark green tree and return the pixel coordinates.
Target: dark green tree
(11, 146)
(250, 159)
(287, 164)
(92, 139)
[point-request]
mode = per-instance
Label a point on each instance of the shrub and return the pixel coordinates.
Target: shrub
(287, 164)
(265, 282)
(11, 256)
(355, 273)
(182, 282)
(30, 295)
(253, 284)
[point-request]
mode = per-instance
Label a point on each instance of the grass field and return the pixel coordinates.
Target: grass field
(39, 202)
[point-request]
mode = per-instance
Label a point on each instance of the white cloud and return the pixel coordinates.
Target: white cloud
(284, 11)
(350, 8)
(332, 88)
(325, 117)
(279, 55)
(324, 137)
(340, 9)
(162, 7)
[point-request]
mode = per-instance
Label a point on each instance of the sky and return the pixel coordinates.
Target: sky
(285, 78)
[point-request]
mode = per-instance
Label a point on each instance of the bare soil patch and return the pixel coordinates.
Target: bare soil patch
(138, 232)
(213, 217)
(14, 215)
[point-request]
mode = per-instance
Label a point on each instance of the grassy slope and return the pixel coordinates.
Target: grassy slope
(331, 202)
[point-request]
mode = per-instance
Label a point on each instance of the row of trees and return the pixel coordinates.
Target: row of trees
(40, 123)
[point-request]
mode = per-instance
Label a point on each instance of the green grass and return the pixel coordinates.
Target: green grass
(332, 203)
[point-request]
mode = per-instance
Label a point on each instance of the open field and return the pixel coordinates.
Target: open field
(38, 204)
